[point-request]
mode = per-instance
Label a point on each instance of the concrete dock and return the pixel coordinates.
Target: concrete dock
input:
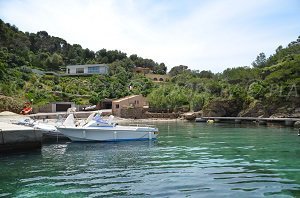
(16, 137)
(78, 114)
(285, 121)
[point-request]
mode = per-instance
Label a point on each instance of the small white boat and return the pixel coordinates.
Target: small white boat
(47, 129)
(89, 108)
(97, 129)
(26, 122)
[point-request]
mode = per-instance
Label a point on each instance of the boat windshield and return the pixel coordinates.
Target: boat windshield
(99, 119)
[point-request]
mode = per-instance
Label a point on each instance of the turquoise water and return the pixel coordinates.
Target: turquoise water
(187, 160)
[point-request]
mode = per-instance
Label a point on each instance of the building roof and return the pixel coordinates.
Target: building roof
(88, 65)
(141, 68)
(107, 100)
(125, 98)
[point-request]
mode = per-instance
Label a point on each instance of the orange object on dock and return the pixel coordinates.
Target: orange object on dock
(26, 109)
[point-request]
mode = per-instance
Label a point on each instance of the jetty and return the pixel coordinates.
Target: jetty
(238, 120)
(16, 137)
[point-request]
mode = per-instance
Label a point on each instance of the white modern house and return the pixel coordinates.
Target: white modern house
(87, 69)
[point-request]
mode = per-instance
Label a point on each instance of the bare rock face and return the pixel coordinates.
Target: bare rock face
(222, 108)
(10, 104)
(255, 109)
(296, 114)
(286, 112)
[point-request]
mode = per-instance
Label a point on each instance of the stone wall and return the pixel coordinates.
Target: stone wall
(162, 115)
(134, 113)
(158, 77)
(141, 113)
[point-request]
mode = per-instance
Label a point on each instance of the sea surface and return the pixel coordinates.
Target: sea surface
(187, 160)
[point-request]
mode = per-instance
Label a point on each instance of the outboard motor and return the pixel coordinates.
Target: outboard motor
(110, 120)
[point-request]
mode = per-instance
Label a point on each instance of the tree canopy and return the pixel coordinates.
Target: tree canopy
(47, 52)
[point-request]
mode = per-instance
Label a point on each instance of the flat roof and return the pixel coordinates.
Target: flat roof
(125, 98)
(87, 65)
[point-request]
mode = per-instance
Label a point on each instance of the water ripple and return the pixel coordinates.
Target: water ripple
(215, 161)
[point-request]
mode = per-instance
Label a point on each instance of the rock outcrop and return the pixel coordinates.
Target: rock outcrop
(297, 124)
(191, 115)
(222, 108)
(255, 109)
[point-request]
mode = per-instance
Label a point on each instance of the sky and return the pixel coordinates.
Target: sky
(202, 34)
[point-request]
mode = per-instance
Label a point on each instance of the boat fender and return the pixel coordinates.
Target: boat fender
(210, 121)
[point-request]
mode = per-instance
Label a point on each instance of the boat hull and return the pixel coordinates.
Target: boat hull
(108, 134)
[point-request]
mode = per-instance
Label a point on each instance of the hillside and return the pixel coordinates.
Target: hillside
(21, 52)
(271, 86)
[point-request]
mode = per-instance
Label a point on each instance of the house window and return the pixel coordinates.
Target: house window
(68, 70)
(94, 70)
(79, 70)
(155, 79)
(117, 106)
(161, 79)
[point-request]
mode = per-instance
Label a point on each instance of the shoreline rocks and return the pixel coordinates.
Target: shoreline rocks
(222, 108)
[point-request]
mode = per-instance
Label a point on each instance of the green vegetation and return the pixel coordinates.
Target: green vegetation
(272, 83)
(21, 52)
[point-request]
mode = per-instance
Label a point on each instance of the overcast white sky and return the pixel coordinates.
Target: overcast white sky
(203, 34)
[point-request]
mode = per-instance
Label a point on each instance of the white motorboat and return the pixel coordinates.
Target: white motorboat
(97, 129)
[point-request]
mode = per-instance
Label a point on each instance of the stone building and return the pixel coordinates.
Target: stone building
(134, 101)
(158, 77)
(149, 74)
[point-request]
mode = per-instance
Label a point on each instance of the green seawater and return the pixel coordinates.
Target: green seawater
(187, 160)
